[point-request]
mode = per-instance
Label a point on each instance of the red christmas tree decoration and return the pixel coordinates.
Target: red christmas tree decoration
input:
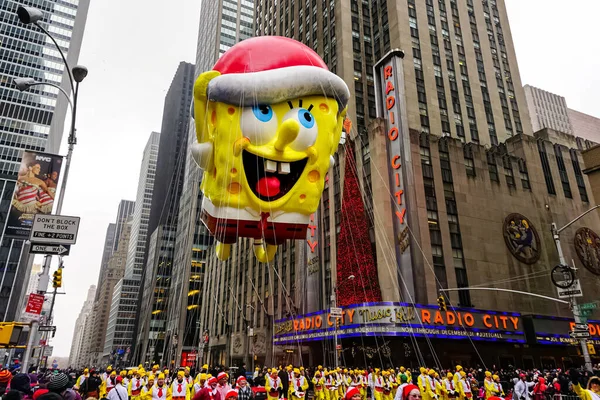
(354, 253)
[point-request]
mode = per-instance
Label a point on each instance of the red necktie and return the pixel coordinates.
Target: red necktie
(451, 386)
(298, 383)
(179, 388)
(160, 392)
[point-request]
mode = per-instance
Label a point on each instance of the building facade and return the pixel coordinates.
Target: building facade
(547, 110)
(114, 274)
(224, 23)
(82, 330)
(34, 120)
(143, 203)
(31, 120)
(125, 210)
(122, 316)
(484, 215)
(112, 268)
(121, 322)
(168, 187)
(585, 126)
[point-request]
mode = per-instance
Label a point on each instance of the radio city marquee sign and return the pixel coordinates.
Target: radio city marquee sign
(402, 319)
(555, 331)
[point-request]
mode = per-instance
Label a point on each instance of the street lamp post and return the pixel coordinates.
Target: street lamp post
(31, 15)
(333, 305)
(573, 300)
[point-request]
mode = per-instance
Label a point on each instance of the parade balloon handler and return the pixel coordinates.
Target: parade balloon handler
(592, 391)
(269, 119)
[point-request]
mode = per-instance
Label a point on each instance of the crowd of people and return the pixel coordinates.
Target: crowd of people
(299, 383)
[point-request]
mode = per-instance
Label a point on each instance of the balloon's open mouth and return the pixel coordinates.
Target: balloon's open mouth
(268, 179)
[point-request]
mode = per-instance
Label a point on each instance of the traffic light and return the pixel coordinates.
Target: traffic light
(57, 281)
(10, 333)
(442, 303)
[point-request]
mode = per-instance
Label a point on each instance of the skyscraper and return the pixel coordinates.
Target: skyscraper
(114, 274)
(82, 330)
(111, 271)
(34, 120)
(125, 210)
(31, 120)
(168, 186)
(547, 110)
(143, 203)
(222, 26)
(121, 320)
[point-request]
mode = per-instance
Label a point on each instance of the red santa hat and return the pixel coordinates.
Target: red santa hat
(212, 381)
(272, 69)
(231, 394)
(222, 375)
(407, 389)
(352, 391)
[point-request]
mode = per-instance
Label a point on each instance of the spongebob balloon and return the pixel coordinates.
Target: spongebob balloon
(268, 120)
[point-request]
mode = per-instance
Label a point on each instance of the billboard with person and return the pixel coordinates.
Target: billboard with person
(34, 193)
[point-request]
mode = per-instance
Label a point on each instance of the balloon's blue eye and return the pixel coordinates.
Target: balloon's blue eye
(306, 118)
(263, 113)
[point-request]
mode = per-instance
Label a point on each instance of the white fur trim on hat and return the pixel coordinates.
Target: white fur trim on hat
(278, 85)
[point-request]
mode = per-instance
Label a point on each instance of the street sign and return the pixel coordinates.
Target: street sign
(54, 229)
(579, 334)
(335, 311)
(581, 327)
(47, 329)
(48, 351)
(34, 306)
(53, 249)
(585, 313)
(591, 349)
(573, 291)
(588, 306)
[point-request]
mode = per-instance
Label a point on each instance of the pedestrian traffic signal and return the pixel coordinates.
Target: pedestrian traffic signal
(57, 281)
(442, 303)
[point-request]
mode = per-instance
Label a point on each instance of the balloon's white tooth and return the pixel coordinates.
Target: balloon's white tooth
(270, 166)
(284, 168)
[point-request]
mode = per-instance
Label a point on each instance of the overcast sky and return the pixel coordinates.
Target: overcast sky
(132, 49)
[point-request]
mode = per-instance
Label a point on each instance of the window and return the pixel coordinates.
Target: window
(492, 168)
(562, 172)
(524, 174)
(508, 171)
(546, 167)
(578, 175)
(469, 161)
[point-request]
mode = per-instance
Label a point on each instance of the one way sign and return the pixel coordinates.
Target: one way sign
(53, 249)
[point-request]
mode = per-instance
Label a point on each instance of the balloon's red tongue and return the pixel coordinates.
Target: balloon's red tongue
(268, 186)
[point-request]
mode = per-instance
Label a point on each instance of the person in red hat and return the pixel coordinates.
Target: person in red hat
(224, 387)
(119, 392)
(244, 390)
(231, 394)
(353, 393)
(209, 392)
(411, 392)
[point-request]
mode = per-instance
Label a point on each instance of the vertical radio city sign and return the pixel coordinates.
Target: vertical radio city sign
(391, 106)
